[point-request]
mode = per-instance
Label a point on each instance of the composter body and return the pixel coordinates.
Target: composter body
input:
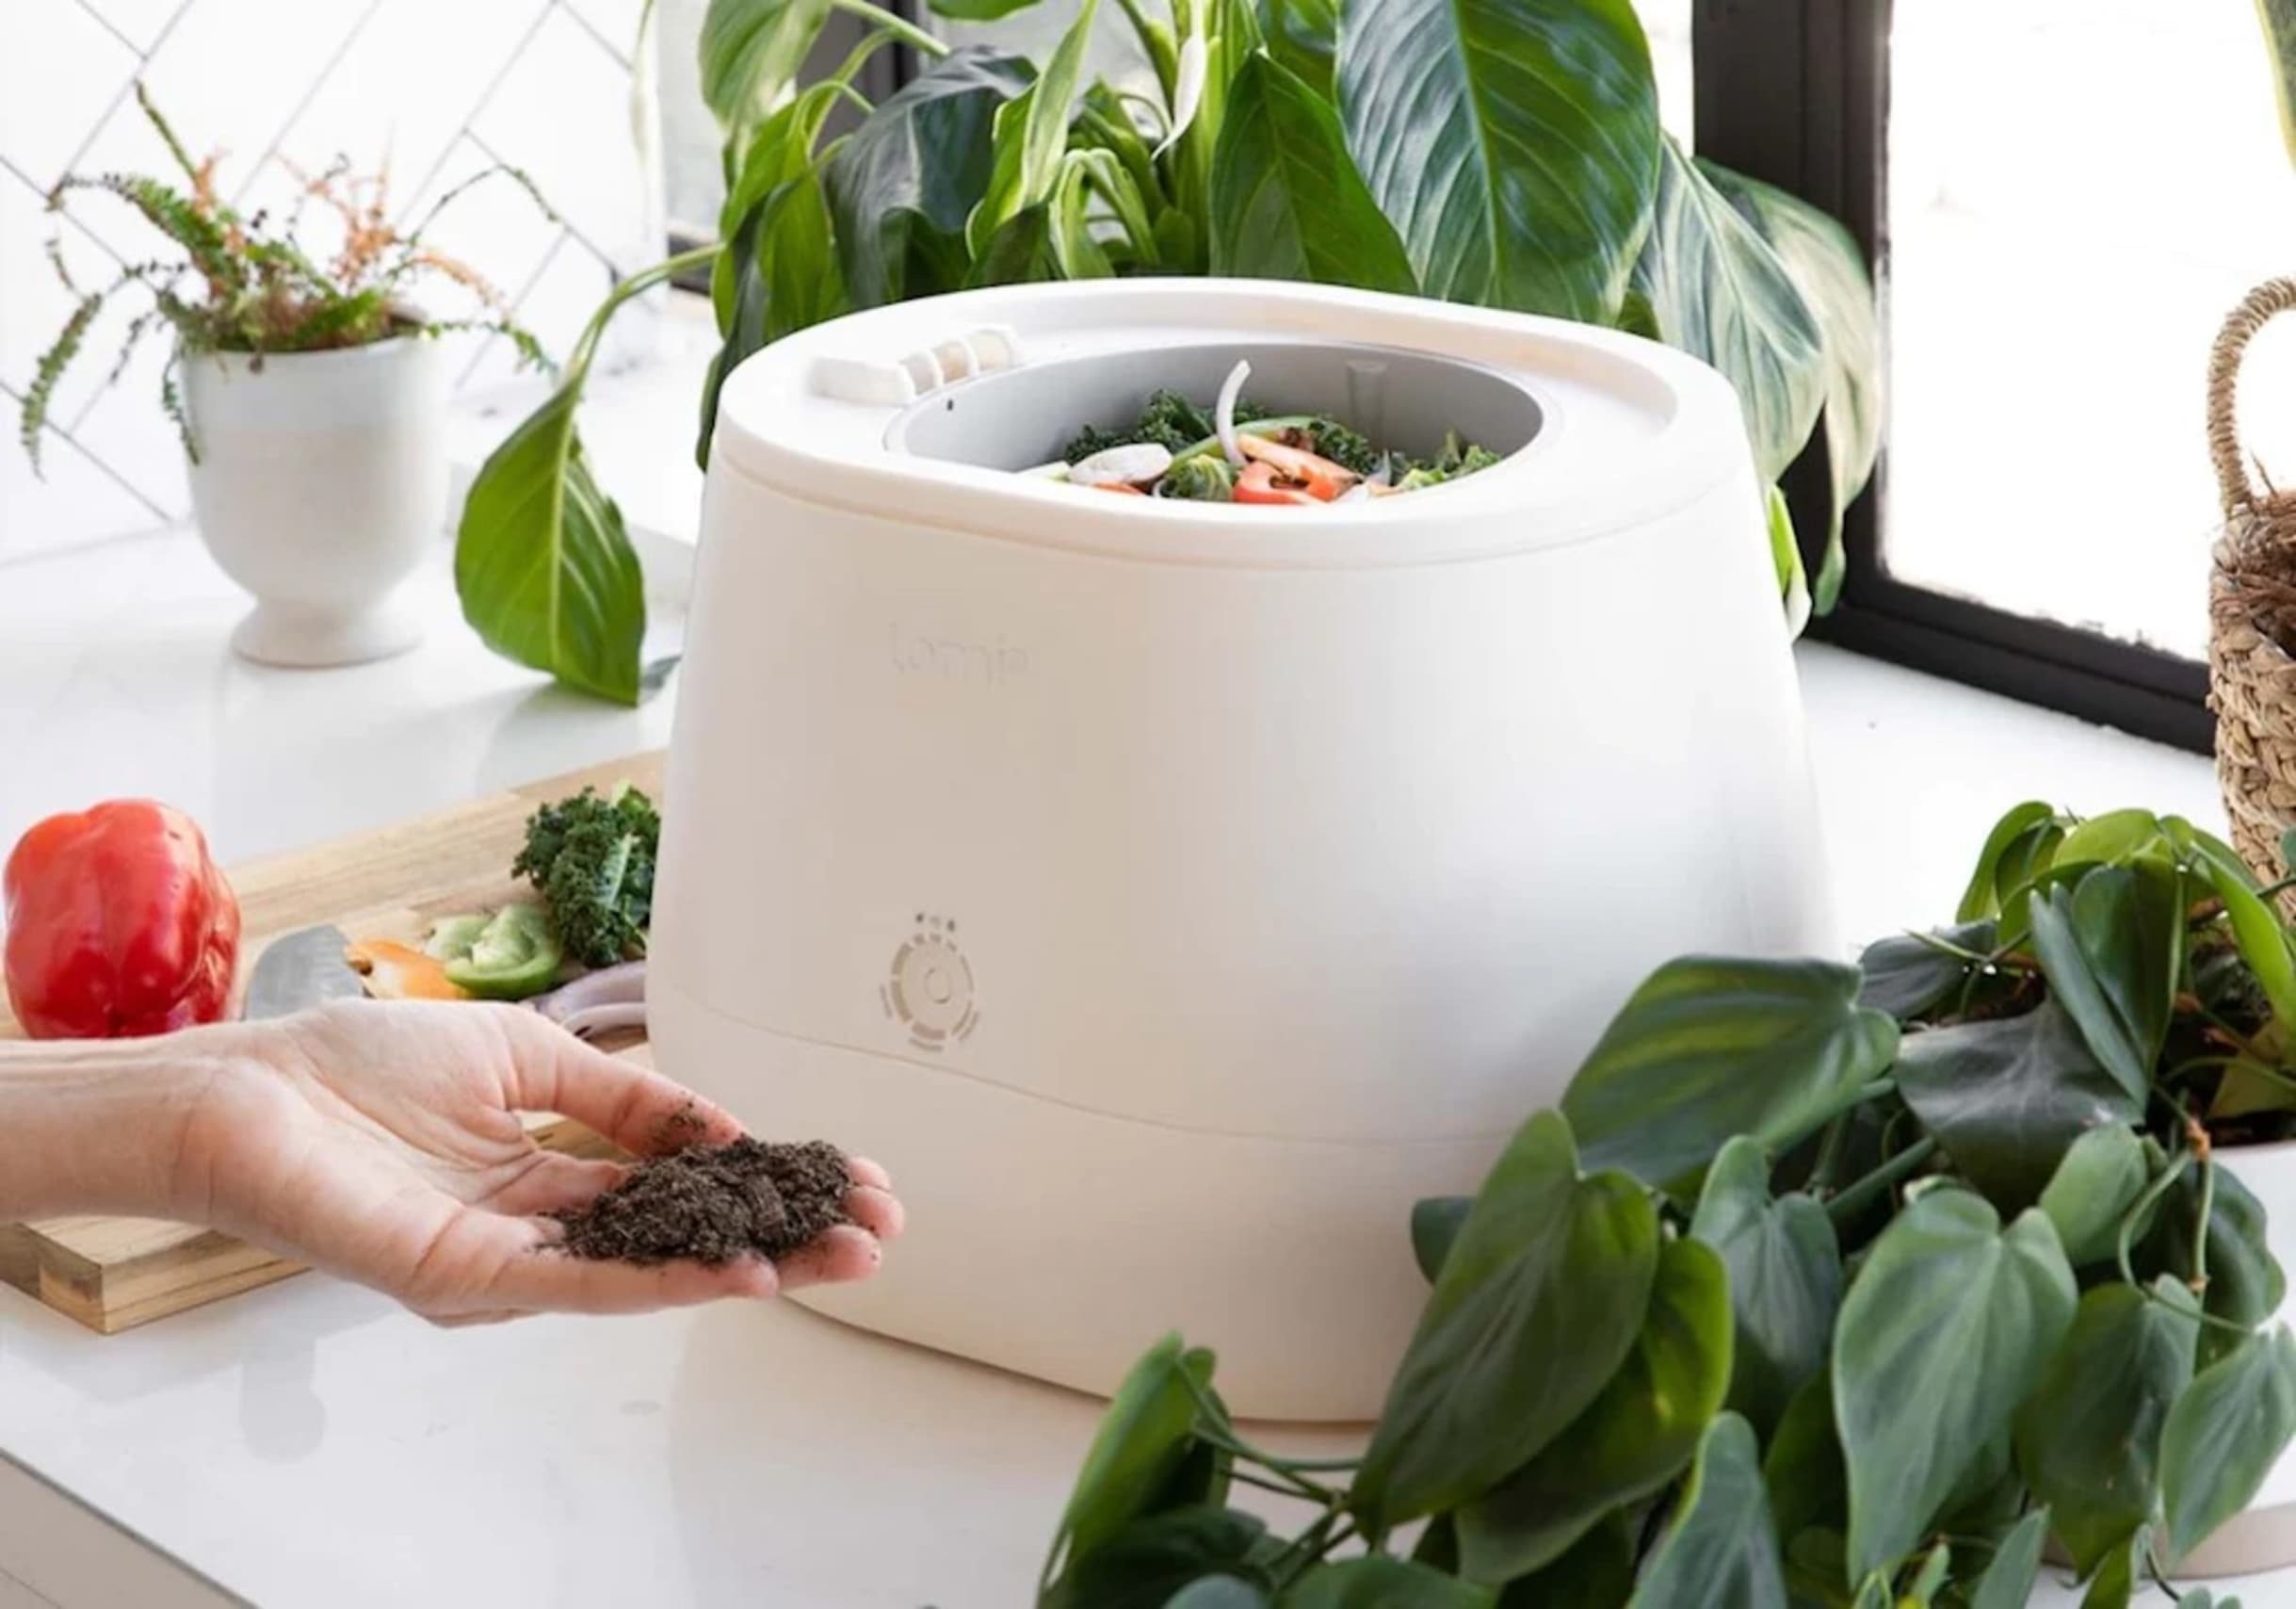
(1168, 902)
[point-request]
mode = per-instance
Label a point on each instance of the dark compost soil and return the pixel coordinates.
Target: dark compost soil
(714, 1204)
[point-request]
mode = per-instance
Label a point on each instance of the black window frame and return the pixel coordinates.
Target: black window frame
(1797, 92)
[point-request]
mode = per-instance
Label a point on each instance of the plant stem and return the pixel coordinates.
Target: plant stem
(2135, 1216)
(1830, 1153)
(1852, 1202)
(577, 361)
(899, 27)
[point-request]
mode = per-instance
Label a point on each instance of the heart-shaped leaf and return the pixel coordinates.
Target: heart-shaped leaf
(1943, 1332)
(1719, 1551)
(2008, 1581)
(1708, 1048)
(2224, 1436)
(2089, 1438)
(1720, 292)
(2100, 1178)
(1908, 975)
(1144, 1441)
(1146, 1561)
(1830, 271)
(1539, 1302)
(1514, 143)
(2110, 945)
(1596, 1573)
(902, 185)
(1803, 1466)
(1382, 1583)
(1629, 1443)
(2245, 1283)
(751, 53)
(544, 569)
(2112, 838)
(1286, 201)
(2008, 1097)
(1786, 1280)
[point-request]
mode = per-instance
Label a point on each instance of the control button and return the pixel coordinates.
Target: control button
(929, 988)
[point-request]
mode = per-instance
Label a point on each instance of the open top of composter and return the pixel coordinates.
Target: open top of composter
(929, 410)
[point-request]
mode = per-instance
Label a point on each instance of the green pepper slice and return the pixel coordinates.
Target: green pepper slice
(506, 956)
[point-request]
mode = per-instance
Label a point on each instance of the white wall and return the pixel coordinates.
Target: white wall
(439, 87)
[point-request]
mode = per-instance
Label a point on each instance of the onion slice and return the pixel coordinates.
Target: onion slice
(1223, 415)
(623, 985)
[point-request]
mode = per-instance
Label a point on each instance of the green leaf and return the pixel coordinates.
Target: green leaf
(1538, 1304)
(1719, 1551)
(2089, 1438)
(2278, 18)
(2112, 838)
(2245, 1280)
(2094, 1187)
(751, 51)
(1597, 1573)
(1380, 1583)
(2114, 1586)
(544, 567)
(1303, 34)
(1150, 1559)
(1286, 201)
(2110, 945)
(977, 10)
(902, 185)
(1031, 131)
(1077, 250)
(1216, 1591)
(1874, 1594)
(1830, 271)
(1435, 1223)
(2263, 941)
(2008, 1097)
(2224, 1436)
(1945, 1330)
(1982, 897)
(1021, 251)
(1803, 1466)
(1908, 975)
(1144, 1441)
(2008, 1581)
(1786, 559)
(1720, 293)
(1922, 1590)
(1634, 1438)
(1708, 1048)
(1514, 143)
(1786, 1280)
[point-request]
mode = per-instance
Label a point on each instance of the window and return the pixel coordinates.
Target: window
(2055, 263)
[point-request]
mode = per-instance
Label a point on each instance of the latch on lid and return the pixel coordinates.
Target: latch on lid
(892, 382)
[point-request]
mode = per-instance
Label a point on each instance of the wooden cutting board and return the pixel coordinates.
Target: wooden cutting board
(114, 1273)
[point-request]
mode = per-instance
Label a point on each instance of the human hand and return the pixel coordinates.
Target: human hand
(382, 1142)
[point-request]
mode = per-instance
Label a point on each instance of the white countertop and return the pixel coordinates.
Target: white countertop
(308, 1444)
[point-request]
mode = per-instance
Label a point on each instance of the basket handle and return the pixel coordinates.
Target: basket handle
(2271, 298)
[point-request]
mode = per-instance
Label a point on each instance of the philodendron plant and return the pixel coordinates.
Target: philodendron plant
(1506, 153)
(1826, 1286)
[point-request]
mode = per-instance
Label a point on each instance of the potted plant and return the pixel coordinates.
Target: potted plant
(310, 390)
(1826, 1286)
(1271, 149)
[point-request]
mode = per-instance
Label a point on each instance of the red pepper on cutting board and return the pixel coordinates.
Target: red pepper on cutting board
(117, 923)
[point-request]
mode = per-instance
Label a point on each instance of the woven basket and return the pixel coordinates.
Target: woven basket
(2252, 612)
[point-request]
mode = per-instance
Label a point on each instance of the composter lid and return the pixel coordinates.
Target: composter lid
(924, 410)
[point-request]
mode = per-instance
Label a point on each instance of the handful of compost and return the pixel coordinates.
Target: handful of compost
(118, 924)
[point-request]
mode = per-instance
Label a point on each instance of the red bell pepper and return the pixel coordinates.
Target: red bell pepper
(117, 924)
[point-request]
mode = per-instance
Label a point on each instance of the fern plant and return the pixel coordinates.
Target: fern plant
(243, 284)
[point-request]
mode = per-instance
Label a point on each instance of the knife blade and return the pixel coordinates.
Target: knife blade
(299, 970)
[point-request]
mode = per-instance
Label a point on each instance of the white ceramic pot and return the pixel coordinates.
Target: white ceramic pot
(320, 484)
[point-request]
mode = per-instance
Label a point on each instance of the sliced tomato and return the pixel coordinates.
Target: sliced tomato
(1258, 483)
(1322, 478)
